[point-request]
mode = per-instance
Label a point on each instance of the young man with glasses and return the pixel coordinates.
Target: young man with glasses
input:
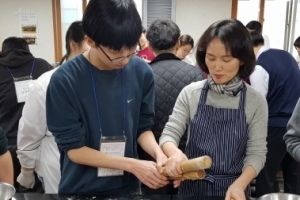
(101, 104)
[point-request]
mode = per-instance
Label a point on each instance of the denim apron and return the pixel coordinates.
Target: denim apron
(221, 134)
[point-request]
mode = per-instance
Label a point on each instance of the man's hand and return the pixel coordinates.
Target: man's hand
(148, 174)
(161, 160)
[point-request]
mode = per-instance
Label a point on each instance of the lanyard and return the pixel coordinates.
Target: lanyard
(32, 67)
(97, 102)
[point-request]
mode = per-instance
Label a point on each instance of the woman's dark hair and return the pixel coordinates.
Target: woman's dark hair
(144, 32)
(112, 23)
(15, 43)
(75, 33)
(186, 40)
(254, 26)
(236, 40)
(257, 38)
(297, 42)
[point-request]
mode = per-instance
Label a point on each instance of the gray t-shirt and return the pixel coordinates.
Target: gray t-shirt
(256, 111)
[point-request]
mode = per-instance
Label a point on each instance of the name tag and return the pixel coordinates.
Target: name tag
(114, 146)
(22, 88)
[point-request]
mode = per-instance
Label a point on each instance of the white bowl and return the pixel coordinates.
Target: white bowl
(279, 196)
(7, 191)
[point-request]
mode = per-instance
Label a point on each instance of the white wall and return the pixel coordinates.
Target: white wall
(9, 24)
(194, 16)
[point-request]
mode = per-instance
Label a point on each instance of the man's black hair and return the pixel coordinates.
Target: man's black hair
(112, 23)
(15, 43)
(163, 34)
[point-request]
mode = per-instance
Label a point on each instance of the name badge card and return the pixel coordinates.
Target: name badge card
(114, 146)
(22, 88)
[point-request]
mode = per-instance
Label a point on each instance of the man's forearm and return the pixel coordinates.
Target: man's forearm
(148, 143)
(6, 166)
(91, 157)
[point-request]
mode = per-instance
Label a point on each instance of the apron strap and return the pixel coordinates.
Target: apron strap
(213, 178)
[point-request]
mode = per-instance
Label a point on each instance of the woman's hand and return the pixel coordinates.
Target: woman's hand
(173, 167)
(148, 174)
(235, 192)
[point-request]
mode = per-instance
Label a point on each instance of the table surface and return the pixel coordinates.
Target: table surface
(26, 196)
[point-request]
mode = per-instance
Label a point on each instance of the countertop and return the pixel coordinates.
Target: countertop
(20, 196)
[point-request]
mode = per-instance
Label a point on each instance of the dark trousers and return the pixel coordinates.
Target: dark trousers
(167, 190)
(277, 157)
(38, 187)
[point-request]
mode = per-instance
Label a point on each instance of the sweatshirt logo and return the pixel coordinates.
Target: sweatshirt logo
(128, 101)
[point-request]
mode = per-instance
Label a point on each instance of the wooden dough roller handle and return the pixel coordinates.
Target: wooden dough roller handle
(196, 164)
(197, 175)
(203, 162)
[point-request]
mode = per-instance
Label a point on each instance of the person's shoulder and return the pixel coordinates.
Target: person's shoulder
(253, 95)
(41, 63)
(44, 79)
(195, 86)
(139, 65)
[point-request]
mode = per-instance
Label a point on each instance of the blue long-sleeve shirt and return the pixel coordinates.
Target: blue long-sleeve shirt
(72, 118)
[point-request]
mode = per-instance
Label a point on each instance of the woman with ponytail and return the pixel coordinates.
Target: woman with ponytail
(75, 42)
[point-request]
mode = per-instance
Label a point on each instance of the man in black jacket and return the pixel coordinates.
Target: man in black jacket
(171, 75)
(17, 68)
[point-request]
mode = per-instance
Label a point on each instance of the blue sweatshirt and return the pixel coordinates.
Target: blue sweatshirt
(72, 118)
(284, 85)
(3, 142)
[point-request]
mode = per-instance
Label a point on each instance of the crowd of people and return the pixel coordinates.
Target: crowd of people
(126, 103)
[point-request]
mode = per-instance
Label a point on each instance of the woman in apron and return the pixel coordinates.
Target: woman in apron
(225, 117)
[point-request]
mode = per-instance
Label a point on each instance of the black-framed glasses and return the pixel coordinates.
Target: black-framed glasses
(119, 59)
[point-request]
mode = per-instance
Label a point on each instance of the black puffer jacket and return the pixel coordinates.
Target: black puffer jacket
(171, 75)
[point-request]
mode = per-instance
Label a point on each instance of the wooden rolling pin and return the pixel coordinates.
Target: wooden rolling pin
(197, 175)
(192, 165)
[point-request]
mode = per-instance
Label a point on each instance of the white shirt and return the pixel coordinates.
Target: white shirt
(266, 41)
(36, 145)
(259, 79)
(297, 58)
(188, 60)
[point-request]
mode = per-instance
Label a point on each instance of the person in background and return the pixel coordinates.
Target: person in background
(37, 150)
(18, 67)
(75, 42)
(297, 47)
(226, 118)
(144, 51)
(184, 51)
(100, 105)
(171, 75)
(6, 165)
(276, 77)
(256, 26)
(292, 136)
